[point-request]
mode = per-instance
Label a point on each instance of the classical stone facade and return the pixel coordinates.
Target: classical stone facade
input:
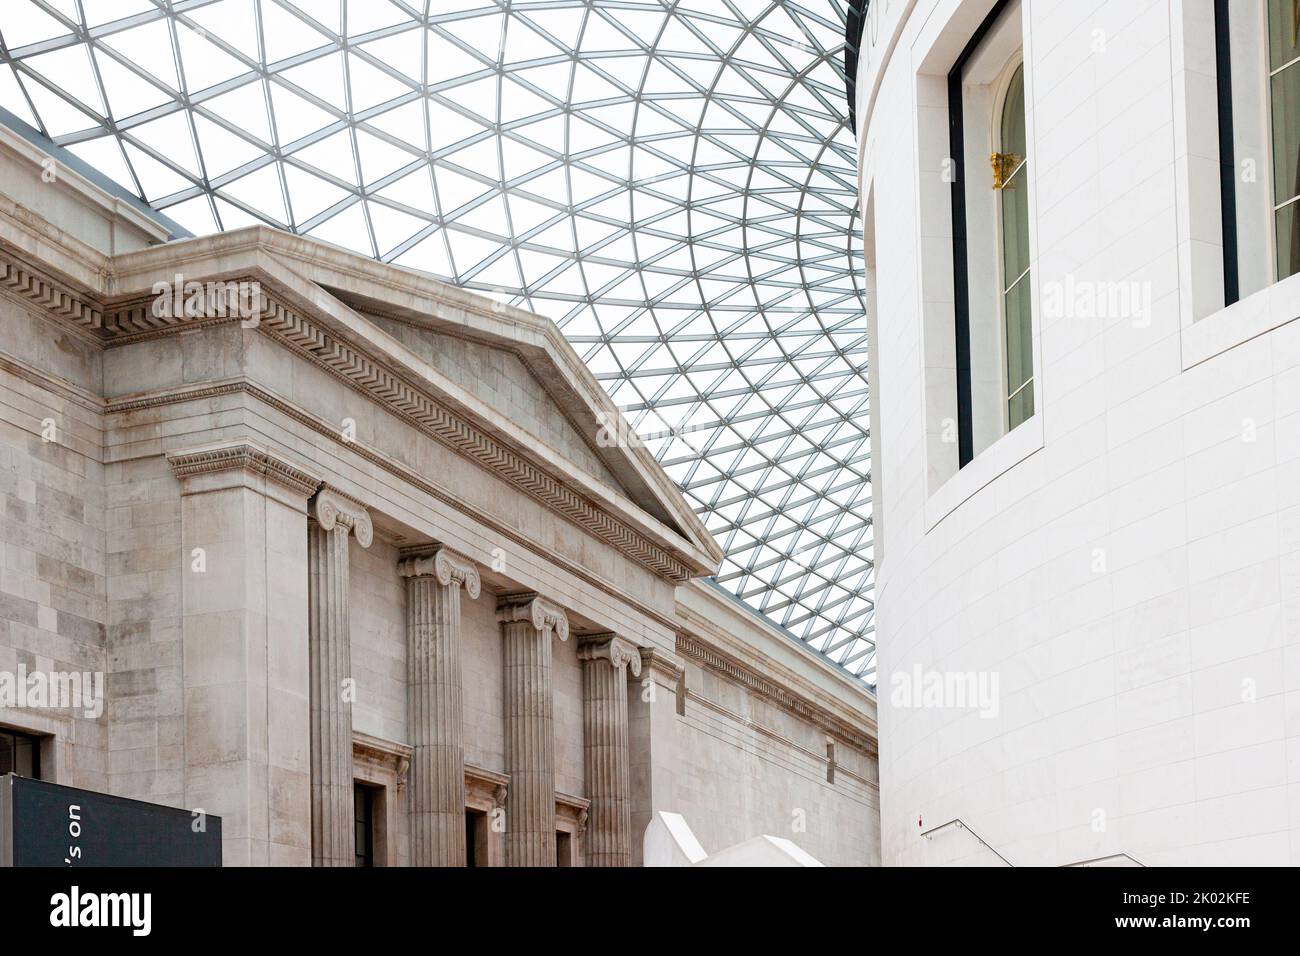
(364, 531)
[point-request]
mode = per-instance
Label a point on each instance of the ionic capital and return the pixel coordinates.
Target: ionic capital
(444, 564)
(332, 509)
(619, 651)
(535, 609)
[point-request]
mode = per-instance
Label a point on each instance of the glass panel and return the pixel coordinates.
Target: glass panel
(1013, 116)
(1015, 257)
(1286, 134)
(1020, 357)
(1282, 38)
(364, 825)
(26, 756)
(20, 754)
(1015, 226)
(1020, 408)
(1288, 240)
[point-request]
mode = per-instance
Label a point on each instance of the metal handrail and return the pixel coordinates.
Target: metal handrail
(1109, 856)
(959, 822)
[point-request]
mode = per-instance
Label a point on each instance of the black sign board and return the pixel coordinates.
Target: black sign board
(44, 824)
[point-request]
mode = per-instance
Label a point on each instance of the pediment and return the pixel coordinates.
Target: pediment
(502, 380)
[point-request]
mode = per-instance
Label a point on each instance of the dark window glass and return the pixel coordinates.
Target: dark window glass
(363, 802)
(475, 838)
(20, 754)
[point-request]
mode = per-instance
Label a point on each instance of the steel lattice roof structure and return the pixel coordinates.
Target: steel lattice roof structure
(672, 181)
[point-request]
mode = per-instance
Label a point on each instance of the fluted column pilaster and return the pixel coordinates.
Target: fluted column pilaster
(333, 518)
(435, 702)
(606, 659)
(527, 624)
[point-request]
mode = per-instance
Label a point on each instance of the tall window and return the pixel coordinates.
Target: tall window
(1284, 95)
(992, 302)
(20, 754)
(1011, 178)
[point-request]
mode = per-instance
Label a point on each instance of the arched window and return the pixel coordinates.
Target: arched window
(1011, 176)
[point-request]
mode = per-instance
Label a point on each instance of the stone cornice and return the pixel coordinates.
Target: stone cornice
(387, 754)
(442, 563)
(619, 651)
(487, 786)
(530, 607)
(333, 509)
(573, 810)
(243, 456)
(45, 292)
(723, 664)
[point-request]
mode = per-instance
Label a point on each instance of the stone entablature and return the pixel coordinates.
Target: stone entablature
(694, 649)
(716, 633)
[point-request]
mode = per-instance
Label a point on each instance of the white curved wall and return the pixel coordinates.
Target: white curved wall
(1125, 568)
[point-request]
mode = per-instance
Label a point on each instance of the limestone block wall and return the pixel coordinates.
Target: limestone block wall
(566, 677)
(746, 767)
(481, 665)
(378, 606)
(146, 570)
(53, 565)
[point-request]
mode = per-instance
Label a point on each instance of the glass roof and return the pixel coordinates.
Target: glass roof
(672, 181)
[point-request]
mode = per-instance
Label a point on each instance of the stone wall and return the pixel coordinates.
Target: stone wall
(53, 568)
(745, 768)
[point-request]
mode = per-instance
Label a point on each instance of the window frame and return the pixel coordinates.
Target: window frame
(1209, 326)
(960, 240)
(933, 56)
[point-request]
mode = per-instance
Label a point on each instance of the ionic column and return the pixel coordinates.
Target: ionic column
(435, 702)
(606, 659)
(527, 623)
(334, 517)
